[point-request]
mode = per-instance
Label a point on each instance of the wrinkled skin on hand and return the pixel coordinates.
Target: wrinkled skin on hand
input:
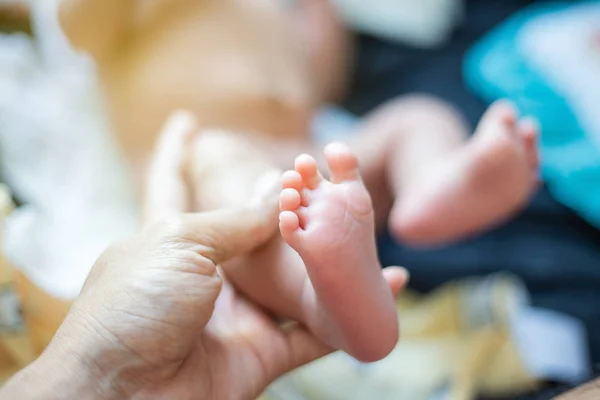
(157, 319)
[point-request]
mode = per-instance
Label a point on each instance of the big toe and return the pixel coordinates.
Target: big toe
(500, 118)
(502, 111)
(342, 162)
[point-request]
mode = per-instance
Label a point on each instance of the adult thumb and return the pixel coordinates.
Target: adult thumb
(227, 233)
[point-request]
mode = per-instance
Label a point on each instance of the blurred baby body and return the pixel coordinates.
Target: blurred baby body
(238, 65)
(244, 67)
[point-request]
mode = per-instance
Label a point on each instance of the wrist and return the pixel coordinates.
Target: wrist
(73, 367)
(55, 376)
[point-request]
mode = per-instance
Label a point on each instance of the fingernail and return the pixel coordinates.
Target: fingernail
(267, 187)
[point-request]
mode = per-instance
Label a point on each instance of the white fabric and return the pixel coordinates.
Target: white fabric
(423, 23)
(539, 332)
(58, 156)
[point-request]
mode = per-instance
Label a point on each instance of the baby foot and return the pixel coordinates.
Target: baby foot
(480, 185)
(347, 302)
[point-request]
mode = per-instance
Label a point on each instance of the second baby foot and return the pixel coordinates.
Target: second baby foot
(330, 223)
(478, 186)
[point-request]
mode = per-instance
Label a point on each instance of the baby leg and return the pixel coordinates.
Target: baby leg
(443, 186)
(224, 170)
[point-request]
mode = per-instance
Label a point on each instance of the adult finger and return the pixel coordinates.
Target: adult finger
(166, 190)
(303, 347)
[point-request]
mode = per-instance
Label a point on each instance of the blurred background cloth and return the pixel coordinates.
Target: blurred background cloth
(471, 337)
(59, 157)
(423, 23)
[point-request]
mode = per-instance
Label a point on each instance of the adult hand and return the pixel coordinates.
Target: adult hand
(156, 319)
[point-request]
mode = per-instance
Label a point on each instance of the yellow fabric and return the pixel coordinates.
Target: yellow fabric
(454, 340)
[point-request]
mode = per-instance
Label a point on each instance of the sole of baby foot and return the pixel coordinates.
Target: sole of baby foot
(330, 223)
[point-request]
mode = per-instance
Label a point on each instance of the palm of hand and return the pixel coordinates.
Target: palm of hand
(172, 326)
(160, 318)
(239, 353)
